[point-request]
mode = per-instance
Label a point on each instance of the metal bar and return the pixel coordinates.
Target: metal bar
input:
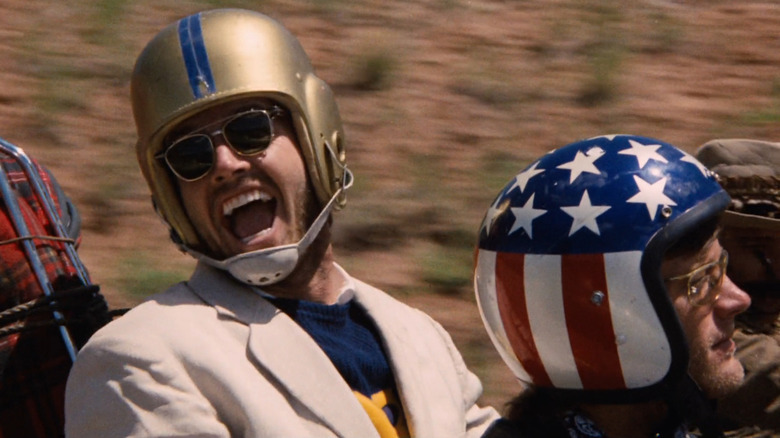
(21, 228)
(48, 205)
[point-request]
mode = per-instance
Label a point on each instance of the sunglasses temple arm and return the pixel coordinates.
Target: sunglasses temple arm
(347, 178)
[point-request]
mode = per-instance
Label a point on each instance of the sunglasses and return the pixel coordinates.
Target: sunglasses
(247, 133)
(704, 282)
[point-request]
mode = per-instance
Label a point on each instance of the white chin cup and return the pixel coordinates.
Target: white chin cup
(271, 265)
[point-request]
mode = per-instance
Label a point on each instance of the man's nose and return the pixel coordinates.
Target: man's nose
(732, 300)
(226, 161)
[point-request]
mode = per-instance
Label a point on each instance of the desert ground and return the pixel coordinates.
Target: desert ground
(443, 102)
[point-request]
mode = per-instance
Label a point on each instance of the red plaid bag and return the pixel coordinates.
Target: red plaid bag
(48, 307)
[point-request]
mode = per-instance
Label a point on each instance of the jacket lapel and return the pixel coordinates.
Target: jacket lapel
(407, 362)
(280, 347)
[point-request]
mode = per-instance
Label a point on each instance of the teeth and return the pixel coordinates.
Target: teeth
(244, 199)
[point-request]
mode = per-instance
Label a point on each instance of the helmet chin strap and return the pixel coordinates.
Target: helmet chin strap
(687, 400)
(271, 265)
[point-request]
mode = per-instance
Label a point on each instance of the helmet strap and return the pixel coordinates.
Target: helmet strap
(272, 265)
(687, 401)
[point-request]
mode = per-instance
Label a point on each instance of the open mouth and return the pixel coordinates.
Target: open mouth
(250, 214)
(725, 345)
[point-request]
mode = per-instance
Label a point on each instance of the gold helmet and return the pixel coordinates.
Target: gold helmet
(222, 55)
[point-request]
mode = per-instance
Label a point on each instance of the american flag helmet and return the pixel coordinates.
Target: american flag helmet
(567, 273)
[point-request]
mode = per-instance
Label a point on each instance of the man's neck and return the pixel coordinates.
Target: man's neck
(627, 421)
(323, 286)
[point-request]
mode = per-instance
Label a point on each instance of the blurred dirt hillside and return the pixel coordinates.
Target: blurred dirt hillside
(443, 102)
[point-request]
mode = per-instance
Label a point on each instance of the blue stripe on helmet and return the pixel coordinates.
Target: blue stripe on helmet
(196, 59)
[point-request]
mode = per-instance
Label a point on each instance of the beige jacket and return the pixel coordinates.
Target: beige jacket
(211, 358)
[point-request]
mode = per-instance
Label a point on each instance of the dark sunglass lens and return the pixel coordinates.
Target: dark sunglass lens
(191, 157)
(249, 133)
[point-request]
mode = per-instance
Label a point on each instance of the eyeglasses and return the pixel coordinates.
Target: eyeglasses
(247, 133)
(704, 282)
